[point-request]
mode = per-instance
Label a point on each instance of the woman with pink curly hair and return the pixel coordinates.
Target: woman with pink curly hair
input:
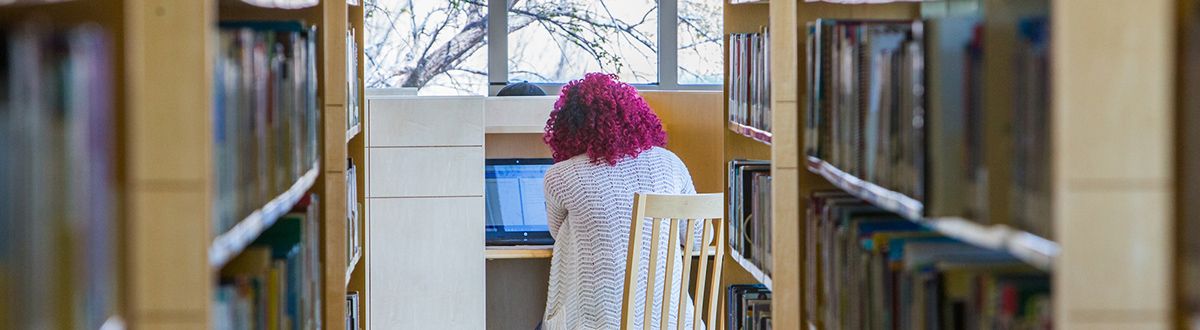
(607, 145)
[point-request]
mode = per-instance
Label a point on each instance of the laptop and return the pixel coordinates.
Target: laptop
(516, 206)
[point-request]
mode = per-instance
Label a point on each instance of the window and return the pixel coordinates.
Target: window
(441, 47)
(556, 41)
(700, 37)
(437, 46)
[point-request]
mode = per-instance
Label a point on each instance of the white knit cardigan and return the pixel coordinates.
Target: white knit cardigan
(589, 208)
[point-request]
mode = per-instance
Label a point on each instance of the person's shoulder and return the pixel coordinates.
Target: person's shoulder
(564, 167)
(664, 154)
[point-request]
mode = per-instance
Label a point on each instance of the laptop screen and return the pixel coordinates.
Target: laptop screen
(515, 200)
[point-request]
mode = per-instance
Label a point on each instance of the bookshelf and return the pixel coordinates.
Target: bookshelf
(1106, 166)
(163, 54)
(740, 141)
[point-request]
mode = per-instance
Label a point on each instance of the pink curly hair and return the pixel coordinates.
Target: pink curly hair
(604, 118)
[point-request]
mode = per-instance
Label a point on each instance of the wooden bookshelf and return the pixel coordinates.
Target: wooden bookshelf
(744, 142)
(162, 48)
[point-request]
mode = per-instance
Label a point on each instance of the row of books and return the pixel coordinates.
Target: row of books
(750, 211)
(59, 192)
(276, 282)
(899, 104)
(871, 269)
(866, 108)
(750, 80)
(353, 320)
(353, 245)
(352, 80)
(748, 307)
(265, 114)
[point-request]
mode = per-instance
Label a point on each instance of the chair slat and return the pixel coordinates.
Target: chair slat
(701, 274)
(688, 241)
(633, 261)
(669, 276)
(655, 235)
(712, 307)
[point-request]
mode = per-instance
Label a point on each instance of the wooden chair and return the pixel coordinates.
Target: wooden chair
(696, 210)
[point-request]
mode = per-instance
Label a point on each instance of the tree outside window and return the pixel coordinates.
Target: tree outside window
(440, 46)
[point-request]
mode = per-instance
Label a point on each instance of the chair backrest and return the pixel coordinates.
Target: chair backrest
(698, 211)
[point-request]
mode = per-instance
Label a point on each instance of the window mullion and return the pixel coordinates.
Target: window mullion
(668, 44)
(497, 36)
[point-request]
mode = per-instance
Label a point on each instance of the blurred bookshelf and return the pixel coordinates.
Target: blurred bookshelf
(201, 207)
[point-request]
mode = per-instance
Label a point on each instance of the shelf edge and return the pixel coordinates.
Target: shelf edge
(353, 132)
(754, 271)
(1027, 247)
(353, 263)
(233, 241)
(755, 134)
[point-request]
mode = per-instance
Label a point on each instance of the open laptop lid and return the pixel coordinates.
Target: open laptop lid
(516, 205)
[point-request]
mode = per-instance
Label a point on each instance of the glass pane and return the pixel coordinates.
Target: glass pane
(700, 42)
(560, 40)
(437, 46)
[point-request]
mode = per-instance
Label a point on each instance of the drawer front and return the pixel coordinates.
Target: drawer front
(437, 121)
(425, 172)
(426, 263)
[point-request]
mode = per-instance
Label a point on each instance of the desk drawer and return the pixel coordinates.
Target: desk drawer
(433, 121)
(425, 172)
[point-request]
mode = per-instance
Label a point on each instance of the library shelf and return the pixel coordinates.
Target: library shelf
(754, 271)
(1027, 247)
(353, 263)
(889, 200)
(751, 132)
(353, 131)
(230, 243)
(280, 4)
(519, 252)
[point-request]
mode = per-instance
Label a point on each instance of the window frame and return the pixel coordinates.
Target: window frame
(668, 51)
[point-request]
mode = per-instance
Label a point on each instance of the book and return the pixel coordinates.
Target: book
(873, 269)
(749, 218)
(748, 307)
(749, 94)
(59, 193)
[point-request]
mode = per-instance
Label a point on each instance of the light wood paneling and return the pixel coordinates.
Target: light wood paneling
(690, 119)
(169, 253)
(528, 145)
(426, 172)
(1114, 93)
(426, 121)
(166, 161)
(422, 285)
(1121, 244)
(518, 114)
